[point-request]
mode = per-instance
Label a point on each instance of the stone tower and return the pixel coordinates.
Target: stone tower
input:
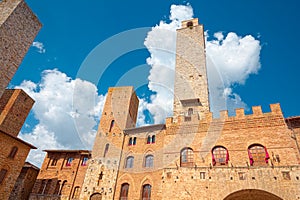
(119, 113)
(14, 108)
(191, 87)
(18, 28)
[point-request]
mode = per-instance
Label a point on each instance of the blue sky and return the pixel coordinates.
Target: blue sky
(73, 29)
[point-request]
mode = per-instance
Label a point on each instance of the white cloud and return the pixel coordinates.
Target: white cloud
(230, 61)
(39, 46)
(67, 111)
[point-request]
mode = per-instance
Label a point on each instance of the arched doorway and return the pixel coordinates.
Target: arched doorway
(252, 194)
(96, 196)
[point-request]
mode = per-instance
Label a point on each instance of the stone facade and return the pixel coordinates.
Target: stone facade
(193, 155)
(15, 105)
(190, 87)
(119, 113)
(18, 28)
(25, 182)
(61, 175)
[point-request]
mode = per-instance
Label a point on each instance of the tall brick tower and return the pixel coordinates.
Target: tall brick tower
(119, 113)
(18, 28)
(191, 87)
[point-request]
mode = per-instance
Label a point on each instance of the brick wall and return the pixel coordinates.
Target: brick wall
(57, 179)
(12, 165)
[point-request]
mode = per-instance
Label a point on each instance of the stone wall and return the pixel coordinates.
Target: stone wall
(18, 28)
(15, 105)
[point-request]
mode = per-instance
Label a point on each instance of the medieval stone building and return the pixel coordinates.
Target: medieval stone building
(18, 28)
(192, 155)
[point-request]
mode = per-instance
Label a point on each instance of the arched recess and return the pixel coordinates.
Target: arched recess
(252, 194)
(96, 196)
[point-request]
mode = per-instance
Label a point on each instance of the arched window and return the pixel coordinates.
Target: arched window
(124, 191)
(189, 24)
(190, 111)
(112, 123)
(105, 150)
(187, 157)
(148, 161)
(129, 162)
(220, 155)
(76, 192)
(258, 155)
(13, 152)
(63, 188)
(146, 193)
(153, 138)
(132, 141)
(148, 139)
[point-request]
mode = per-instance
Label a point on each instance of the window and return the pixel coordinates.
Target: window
(220, 156)
(100, 178)
(202, 175)
(187, 157)
(146, 193)
(57, 187)
(258, 155)
(189, 24)
(53, 161)
(190, 111)
(124, 191)
(286, 176)
(63, 188)
(69, 161)
(13, 152)
(148, 161)
(151, 139)
(84, 161)
(42, 186)
(105, 150)
(242, 175)
(76, 192)
(129, 162)
(112, 123)
(48, 186)
(132, 141)
(3, 173)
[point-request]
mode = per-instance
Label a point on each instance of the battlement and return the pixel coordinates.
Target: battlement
(256, 119)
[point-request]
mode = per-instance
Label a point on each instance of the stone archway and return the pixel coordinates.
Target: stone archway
(96, 196)
(252, 194)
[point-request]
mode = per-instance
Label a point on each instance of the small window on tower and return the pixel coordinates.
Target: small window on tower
(189, 24)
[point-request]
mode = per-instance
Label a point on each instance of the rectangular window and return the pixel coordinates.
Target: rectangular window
(242, 175)
(84, 160)
(202, 175)
(286, 176)
(54, 162)
(2, 175)
(69, 162)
